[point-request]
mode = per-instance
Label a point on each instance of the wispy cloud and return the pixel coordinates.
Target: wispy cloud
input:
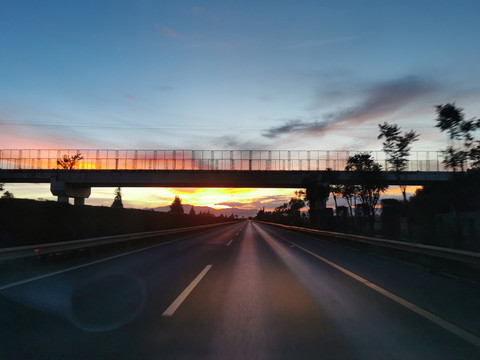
(381, 100)
(168, 31)
(197, 10)
(269, 202)
(321, 42)
(128, 96)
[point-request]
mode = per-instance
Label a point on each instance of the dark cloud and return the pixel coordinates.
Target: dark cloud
(269, 202)
(295, 126)
(235, 142)
(381, 100)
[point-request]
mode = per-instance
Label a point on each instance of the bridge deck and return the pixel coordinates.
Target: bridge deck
(209, 178)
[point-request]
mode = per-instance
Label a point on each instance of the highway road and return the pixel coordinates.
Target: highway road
(239, 291)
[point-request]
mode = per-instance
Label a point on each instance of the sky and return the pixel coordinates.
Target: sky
(307, 75)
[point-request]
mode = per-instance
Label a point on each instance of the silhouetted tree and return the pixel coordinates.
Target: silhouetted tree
(370, 183)
(347, 192)
(453, 199)
(7, 195)
(336, 191)
(287, 213)
(474, 154)
(294, 206)
(69, 162)
(192, 212)
(451, 119)
(117, 201)
(176, 207)
(397, 148)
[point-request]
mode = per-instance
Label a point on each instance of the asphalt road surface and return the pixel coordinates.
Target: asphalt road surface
(238, 291)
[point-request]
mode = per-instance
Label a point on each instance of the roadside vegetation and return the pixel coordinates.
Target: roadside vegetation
(7, 194)
(50, 221)
(447, 214)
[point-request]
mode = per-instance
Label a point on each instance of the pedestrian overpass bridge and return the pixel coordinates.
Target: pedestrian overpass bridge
(312, 170)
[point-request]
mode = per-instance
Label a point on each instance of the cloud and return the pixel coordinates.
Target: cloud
(197, 10)
(269, 202)
(238, 205)
(128, 96)
(322, 42)
(168, 31)
(381, 100)
(234, 142)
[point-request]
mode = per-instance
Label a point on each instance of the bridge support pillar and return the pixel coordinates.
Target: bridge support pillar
(64, 191)
(317, 195)
(63, 199)
(79, 201)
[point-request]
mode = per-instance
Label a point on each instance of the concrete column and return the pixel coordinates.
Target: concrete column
(64, 191)
(317, 195)
(79, 201)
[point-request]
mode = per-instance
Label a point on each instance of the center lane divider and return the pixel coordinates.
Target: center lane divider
(181, 298)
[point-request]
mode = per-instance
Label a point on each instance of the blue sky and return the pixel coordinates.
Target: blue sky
(232, 74)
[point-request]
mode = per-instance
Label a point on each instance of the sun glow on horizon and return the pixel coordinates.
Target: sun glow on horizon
(216, 198)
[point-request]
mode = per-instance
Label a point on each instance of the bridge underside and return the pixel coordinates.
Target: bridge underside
(77, 184)
(210, 178)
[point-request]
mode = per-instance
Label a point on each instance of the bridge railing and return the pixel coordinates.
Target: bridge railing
(295, 160)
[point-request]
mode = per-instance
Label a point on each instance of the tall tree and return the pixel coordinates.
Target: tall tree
(397, 147)
(69, 162)
(369, 182)
(192, 211)
(451, 119)
(117, 201)
(294, 206)
(336, 191)
(176, 207)
(474, 153)
(347, 192)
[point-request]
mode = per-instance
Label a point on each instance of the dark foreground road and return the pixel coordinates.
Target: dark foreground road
(241, 291)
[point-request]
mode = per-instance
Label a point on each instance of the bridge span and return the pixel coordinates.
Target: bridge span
(312, 170)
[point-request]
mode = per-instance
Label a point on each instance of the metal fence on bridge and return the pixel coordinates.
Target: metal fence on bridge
(207, 159)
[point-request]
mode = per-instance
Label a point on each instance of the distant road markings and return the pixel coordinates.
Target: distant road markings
(465, 335)
(229, 243)
(181, 298)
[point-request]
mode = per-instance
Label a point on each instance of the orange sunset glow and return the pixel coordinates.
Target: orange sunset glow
(216, 198)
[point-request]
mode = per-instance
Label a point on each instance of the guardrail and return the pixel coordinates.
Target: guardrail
(270, 160)
(435, 251)
(12, 253)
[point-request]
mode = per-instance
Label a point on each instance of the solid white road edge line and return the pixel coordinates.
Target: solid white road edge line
(7, 286)
(181, 298)
(422, 312)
